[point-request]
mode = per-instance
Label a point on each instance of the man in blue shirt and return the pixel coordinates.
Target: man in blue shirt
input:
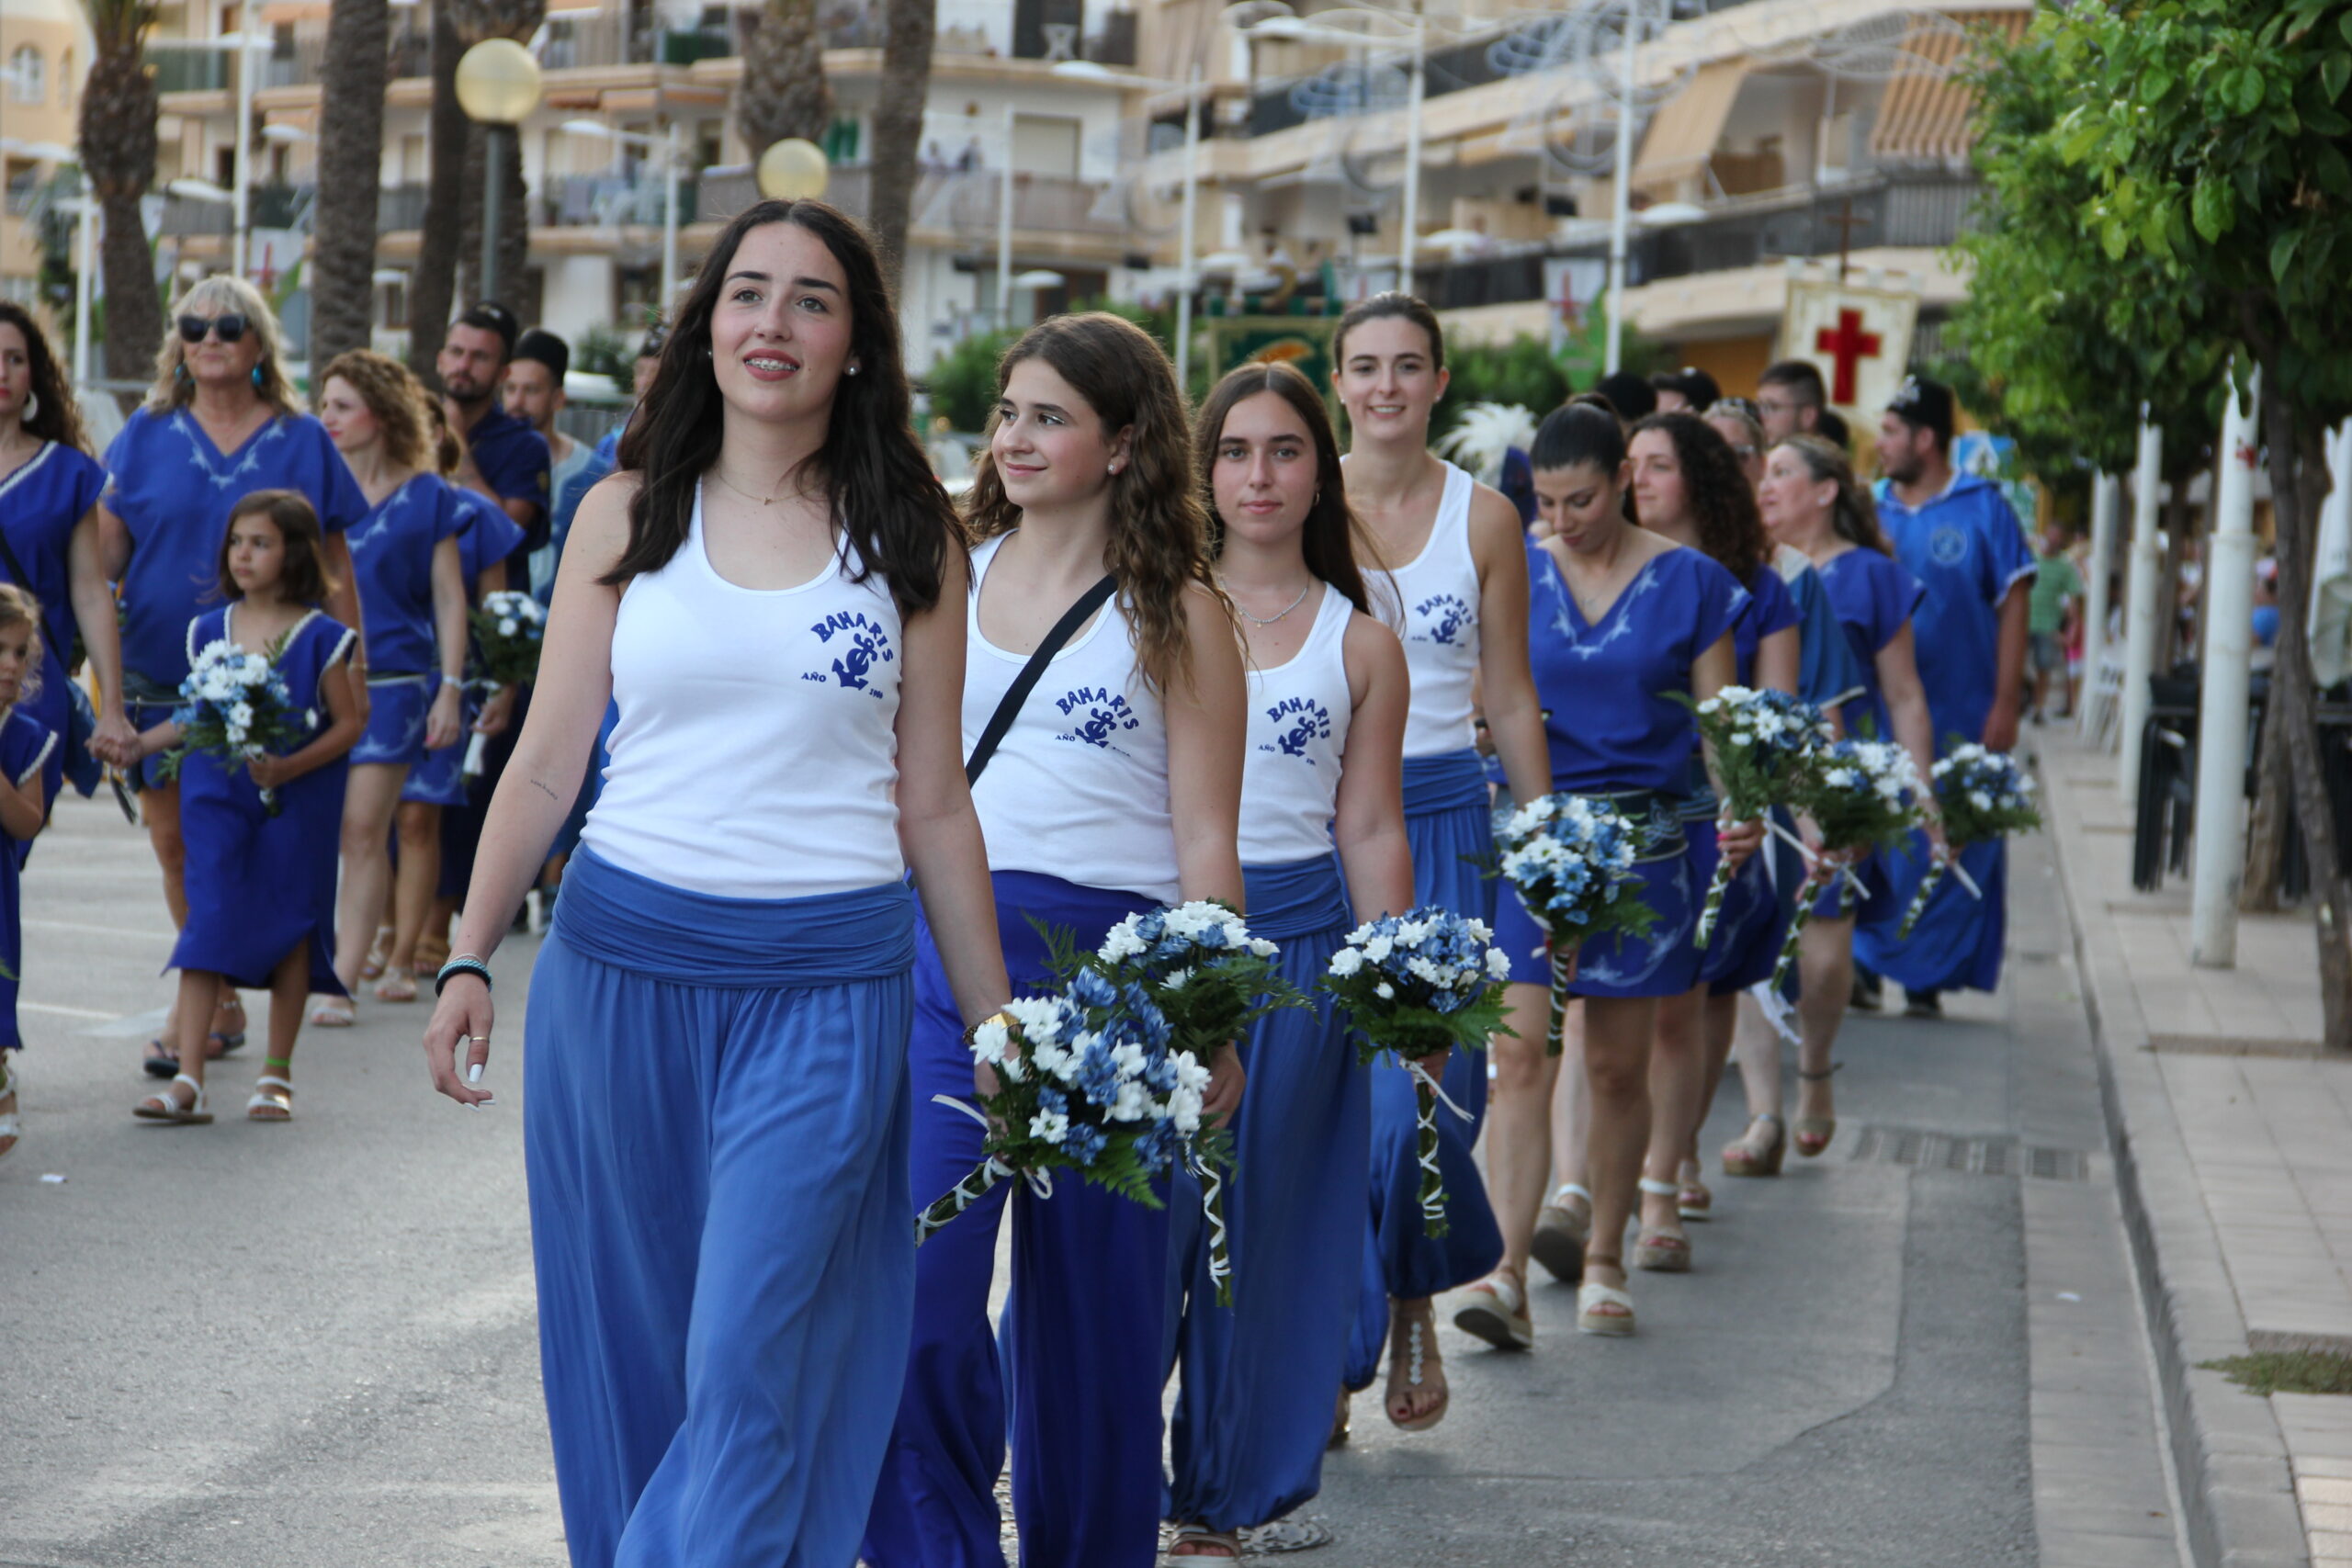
(1957, 534)
(505, 458)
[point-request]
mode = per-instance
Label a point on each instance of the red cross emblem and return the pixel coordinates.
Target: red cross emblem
(1847, 345)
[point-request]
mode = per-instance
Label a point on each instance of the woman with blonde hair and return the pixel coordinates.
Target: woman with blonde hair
(412, 594)
(220, 423)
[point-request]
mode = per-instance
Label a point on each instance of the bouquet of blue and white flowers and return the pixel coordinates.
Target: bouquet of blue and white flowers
(236, 706)
(509, 628)
(1571, 857)
(1760, 743)
(1983, 794)
(1086, 1082)
(1861, 794)
(1419, 984)
(1212, 980)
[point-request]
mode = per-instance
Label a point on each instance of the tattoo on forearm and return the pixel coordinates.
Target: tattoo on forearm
(540, 784)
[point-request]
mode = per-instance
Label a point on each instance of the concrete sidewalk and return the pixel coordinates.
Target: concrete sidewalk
(2233, 1150)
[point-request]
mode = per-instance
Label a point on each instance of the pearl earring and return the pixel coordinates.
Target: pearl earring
(853, 370)
(32, 409)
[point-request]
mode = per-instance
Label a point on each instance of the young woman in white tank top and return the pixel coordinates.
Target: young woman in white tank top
(716, 1131)
(1456, 565)
(1117, 788)
(1327, 698)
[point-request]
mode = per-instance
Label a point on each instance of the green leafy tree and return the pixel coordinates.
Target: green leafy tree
(962, 382)
(2207, 154)
(1521, 371)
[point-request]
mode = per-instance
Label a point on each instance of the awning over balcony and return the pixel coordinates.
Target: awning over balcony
(1683, 134)
(1927, 109)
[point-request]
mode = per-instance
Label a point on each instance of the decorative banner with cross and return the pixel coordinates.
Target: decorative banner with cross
(1859, 336)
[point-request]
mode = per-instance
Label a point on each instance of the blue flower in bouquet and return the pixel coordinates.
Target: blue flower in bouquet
(1572, 860)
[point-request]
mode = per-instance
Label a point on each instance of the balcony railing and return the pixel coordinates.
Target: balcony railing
(190, 70)
(962, 201)
(611, 201)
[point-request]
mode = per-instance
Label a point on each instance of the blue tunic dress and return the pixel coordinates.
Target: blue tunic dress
(1969, 552)
(39, 503)
(27, 748)
(173, 490)
(392, 554)
(485, 537)
(1613, 730)
(260, 886)
(1874, 599)
(1748, 927)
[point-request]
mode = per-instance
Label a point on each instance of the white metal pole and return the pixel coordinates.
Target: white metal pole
(2139, 610)
(1621, 204)
(1408, 242)
(2221, 716)
(242, 175)
(1004, 229)
(2106, 495)
(670, 154)
(88, 269)
(1187, 242)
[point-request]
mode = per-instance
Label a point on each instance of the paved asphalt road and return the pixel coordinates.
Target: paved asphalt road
(311, 1346)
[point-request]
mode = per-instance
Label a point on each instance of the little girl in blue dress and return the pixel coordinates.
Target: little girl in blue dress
(261, 884)
(27, 746)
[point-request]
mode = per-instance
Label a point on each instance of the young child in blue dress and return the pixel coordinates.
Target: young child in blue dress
(26, 747)
(261, 884)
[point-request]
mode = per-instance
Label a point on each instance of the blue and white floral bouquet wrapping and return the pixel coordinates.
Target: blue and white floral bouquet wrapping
(1861, 795)
(1760, 743)
(1983, 795)
(1571, 857)
(1212, 980)
(1085, 1082)
(236, 706)
(510, 627)
(1421, 984)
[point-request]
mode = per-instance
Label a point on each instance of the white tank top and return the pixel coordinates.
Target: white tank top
(1431, 602)
(1077, 788)
(756, 753)
(1298, 731)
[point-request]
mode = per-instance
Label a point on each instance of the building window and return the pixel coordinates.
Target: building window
(28, 78)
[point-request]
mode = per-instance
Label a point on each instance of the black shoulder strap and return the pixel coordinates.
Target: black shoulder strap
(1008, 710)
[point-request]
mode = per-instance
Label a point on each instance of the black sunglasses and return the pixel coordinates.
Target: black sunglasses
(231, 327)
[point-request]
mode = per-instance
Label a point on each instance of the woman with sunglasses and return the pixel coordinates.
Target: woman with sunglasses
(220, 423)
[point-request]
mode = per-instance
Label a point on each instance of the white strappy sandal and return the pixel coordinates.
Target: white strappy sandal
(11, 1129)
(272, 1099)
(164, 1106)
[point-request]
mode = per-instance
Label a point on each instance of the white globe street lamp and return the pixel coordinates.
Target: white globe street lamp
(498, 86)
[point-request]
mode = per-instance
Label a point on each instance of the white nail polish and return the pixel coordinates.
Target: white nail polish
(473, 1074)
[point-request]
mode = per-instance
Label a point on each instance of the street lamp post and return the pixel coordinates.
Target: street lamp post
(1409, 241)
(1004, 229)
(1621, 197)
(673, 153)
(498, 86)
(244, 46)
(1187, 239)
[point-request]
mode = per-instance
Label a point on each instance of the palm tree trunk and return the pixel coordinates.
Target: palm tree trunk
(433, 283)
(908, 27)
(785, 92)
(351, 151)
(118, 137)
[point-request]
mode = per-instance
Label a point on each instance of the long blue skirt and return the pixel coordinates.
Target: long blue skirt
(259, 886)
(1450, 829)
(1957, 944)
(715, 1129)
(1254, 1411)
(1076, 1372)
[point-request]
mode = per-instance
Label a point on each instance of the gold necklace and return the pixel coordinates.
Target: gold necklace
(738, 490)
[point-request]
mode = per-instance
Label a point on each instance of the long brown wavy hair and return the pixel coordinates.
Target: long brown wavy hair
(1332, 538)
(1730, 528)
(1854, 514)
(1160, 530)
(58, 417)
(886, 500)
(394, 397)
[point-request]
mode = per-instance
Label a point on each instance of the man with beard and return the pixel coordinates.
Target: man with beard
(1957, 534)
(505, 458)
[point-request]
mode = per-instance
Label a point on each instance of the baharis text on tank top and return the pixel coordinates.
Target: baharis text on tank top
(1310, 721)
(1441, 618)
(867, 645)
(1107, 714)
